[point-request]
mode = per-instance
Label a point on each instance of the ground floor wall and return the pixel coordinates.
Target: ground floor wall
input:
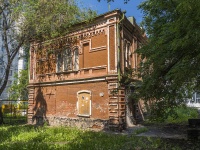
(99, 104)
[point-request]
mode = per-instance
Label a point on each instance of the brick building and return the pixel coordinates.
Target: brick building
(74, 80)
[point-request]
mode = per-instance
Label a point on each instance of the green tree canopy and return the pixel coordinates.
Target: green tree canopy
(18, 89)
(46, 19)
(125, 1)
(24, 20)
(170, 69)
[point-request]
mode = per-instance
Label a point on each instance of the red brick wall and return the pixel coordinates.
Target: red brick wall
(55, 94)
(62, 100)
(112, 47)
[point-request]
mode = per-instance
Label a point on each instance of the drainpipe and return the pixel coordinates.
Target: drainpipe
(118, 60)
(118, 46)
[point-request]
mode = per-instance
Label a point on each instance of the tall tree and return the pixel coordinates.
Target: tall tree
(170, 68)
(18, 90)
(24, 20)
(125, 1)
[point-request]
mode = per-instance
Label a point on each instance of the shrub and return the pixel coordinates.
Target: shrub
(183, 113)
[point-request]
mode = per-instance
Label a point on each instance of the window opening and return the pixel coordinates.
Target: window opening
(67, 59)
(59, 62)
(76, 59)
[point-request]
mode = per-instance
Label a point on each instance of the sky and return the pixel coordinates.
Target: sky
(130, 7)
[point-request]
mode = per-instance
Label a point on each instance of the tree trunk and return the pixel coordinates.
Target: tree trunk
(1, 116)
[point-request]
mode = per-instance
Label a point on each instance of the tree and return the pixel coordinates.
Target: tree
(125, 1)
(24, 20)
(19, 90)
(170, 69)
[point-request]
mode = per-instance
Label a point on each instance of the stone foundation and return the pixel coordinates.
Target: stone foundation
(83, 123)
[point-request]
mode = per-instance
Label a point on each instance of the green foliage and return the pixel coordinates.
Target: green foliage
(44, 20)
(125, 1)
(23, 21)
(140, 130)
(127, 77)
(18, 89)
(183, 114)
(51, 138)
(178, 115)
(170, 66)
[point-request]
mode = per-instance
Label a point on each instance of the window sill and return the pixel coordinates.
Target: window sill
(65, 72)
(41, 75)
(87, 116)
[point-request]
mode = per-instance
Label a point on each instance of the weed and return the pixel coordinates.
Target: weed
(140, 130)
(57, 138)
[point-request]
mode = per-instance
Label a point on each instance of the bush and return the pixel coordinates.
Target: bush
(183, 113)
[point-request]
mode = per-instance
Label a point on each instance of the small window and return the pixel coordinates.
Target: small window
(1, 70)
(11, 72)
(2, 48)
(84, 103)
(1, 60)
(9, 82)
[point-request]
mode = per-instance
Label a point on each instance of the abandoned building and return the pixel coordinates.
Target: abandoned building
(75, 79)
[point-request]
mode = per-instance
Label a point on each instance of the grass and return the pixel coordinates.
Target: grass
(65, 138)
(183, 114)
(140, 130)
(15, 120)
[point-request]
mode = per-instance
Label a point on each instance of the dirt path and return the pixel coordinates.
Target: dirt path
(166, 131)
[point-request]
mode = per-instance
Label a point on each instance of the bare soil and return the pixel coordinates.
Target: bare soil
(172, 134)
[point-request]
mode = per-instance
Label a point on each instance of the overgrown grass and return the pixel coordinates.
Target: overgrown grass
(180, 116)
(64, 138)
(183, 114)
(140, 130)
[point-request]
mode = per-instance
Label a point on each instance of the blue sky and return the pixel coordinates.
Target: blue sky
(130, 7)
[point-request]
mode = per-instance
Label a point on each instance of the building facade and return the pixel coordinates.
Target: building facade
(194, 101)
(75, 80)
(18, 64)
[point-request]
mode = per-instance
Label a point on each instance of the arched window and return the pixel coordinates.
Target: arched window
(76, 59)
(67, 59)
(127, 52)
(59, 62)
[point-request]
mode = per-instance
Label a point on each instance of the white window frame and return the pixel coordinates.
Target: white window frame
(127, 53)
(75, 59)
(59, 62)
(68, 59)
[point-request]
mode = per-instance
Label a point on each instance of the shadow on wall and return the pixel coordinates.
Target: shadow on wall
(40, 109)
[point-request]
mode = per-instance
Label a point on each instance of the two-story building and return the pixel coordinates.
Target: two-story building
(75, 79)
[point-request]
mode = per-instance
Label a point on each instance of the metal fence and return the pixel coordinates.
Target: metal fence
(14, 111)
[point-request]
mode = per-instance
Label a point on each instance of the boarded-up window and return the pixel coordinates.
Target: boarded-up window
(84, 103)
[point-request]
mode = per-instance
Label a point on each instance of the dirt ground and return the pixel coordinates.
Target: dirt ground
(173, 134)
(164, 131)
